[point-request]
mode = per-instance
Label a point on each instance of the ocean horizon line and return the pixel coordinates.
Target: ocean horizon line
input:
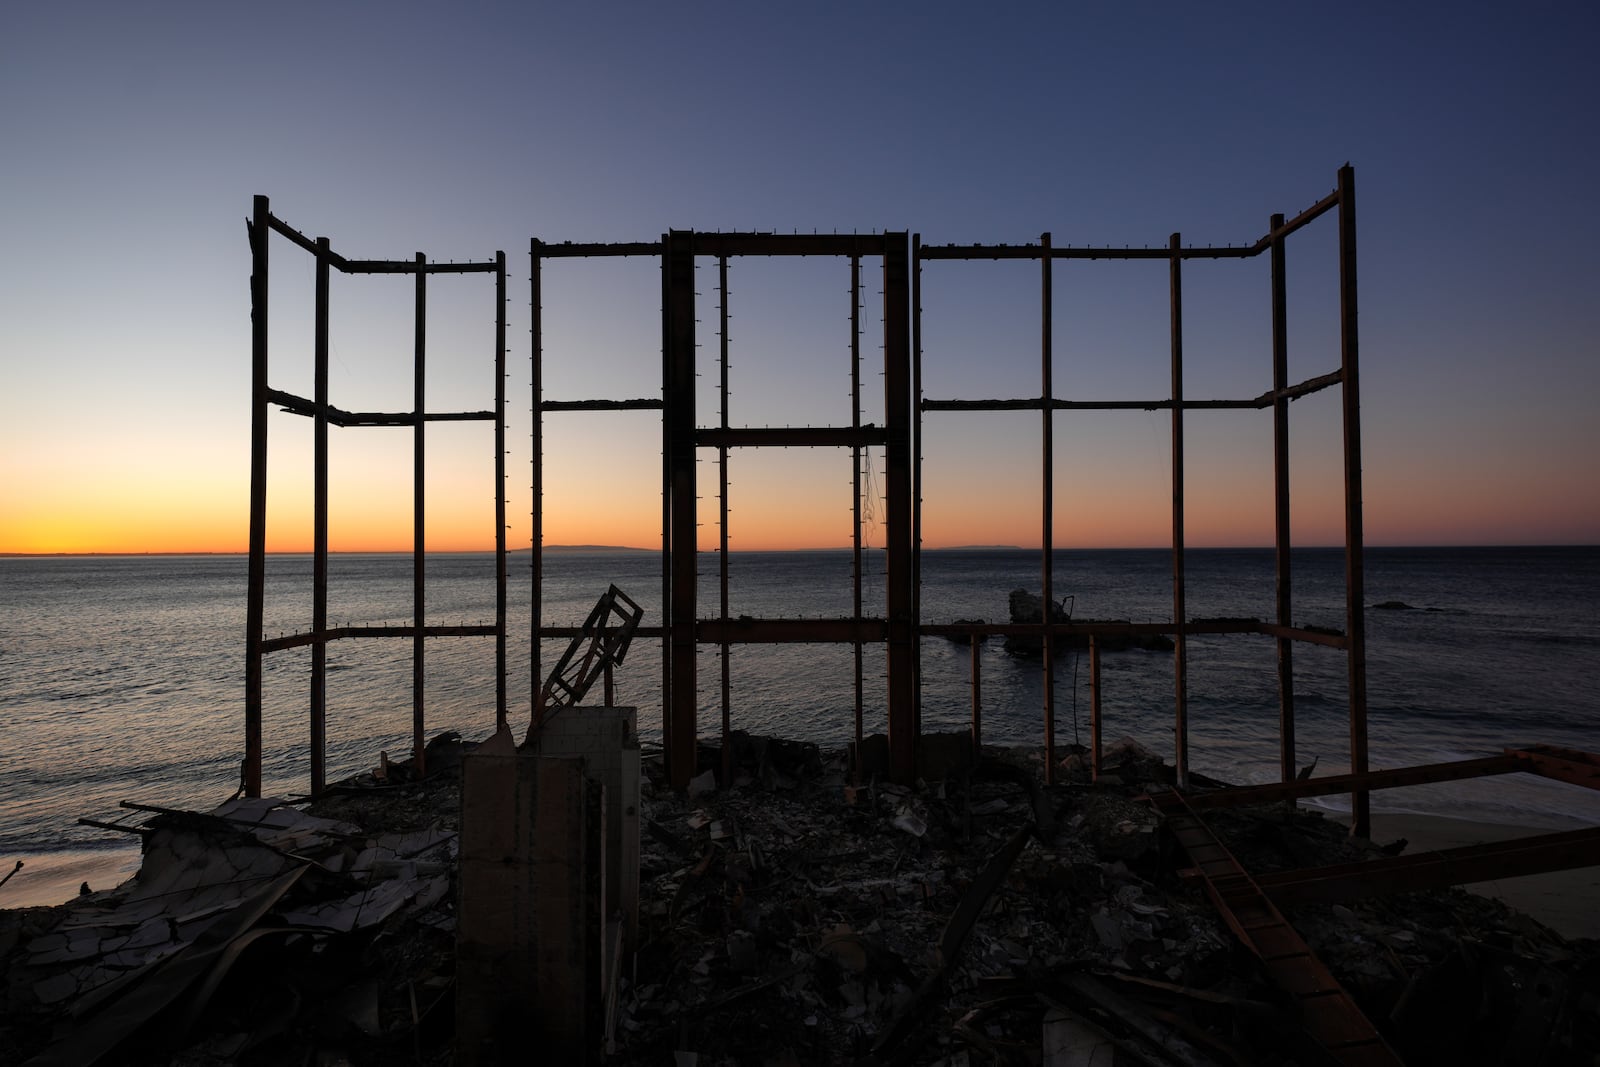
(816, 548)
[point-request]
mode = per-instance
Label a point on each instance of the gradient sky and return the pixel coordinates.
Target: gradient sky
(135, 135)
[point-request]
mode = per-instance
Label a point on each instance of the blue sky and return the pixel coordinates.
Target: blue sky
(136, 135)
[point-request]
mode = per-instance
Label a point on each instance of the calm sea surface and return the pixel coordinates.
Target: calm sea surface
(123, 678)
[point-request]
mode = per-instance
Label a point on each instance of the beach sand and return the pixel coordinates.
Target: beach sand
(1566, 901)
(50, 878)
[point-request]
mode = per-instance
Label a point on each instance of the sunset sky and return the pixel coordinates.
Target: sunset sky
(135, 136)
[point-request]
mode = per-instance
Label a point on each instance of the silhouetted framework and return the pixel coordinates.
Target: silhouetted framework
(682, 629)
(902, 628)
(1353, 640)
(324, 414)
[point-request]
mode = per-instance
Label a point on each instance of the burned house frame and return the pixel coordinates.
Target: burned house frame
(683, 627)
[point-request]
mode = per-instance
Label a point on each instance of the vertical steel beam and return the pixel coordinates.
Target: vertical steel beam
(902, 635)
(916, 471)
(536, 308)
(1180, 759)
(1280, 483)
(683, 700)
(256, 583)
(855, 481)
(419, 517)
(722, 526)
(319, 530)
(1047, 533)
(1355, 591)
(666, 509)
(502, 672)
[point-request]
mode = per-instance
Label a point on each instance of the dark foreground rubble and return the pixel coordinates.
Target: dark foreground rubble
(790, 916)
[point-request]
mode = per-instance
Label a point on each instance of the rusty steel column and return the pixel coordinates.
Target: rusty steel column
(855, 454)
(536, 511)
(722, 526)
(319, 530)
(902, 635)
(256, 584)
(1180, 759)
(916, 471)
(1280, 481)
(1047, 534)
(501, 604)
(683, 699)
(666, 509)
(1355, 591)
(419, 515)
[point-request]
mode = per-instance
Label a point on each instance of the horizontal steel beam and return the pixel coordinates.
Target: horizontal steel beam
(411, 266)
(1435, 870)
(1245, 795)
(584, 249)
(791, 437)
(337, 633)
(643, 404)
(299, 405)
(790, 631)
(1562, 764)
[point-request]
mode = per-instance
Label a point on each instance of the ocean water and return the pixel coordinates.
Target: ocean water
(122, 678)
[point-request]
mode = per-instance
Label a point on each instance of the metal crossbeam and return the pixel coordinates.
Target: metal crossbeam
(1326, 1009)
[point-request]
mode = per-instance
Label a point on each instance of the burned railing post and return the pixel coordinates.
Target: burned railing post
(1180, 729)
(1355, 594)
(1280, 485)
(255, 595)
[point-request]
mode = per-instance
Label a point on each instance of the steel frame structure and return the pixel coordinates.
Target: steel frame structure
(1341, 200)
(682, 629)
(323, 414)
(900, 628)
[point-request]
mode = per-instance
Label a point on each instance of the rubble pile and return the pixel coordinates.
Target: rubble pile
(803, 912)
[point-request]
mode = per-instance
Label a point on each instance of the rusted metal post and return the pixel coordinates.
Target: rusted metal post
(722, 526)
(1280, 480)
(683, 698)
(501, 602)
(319, 529)
(1047, 535)
(916, 469)
(1355, 591)
(419, 525)
(902, 624)
(256, 584)
(976, 641)
(1094, 707)
(536, 328)
(666, 507)
(855, 507)
(1180, 759)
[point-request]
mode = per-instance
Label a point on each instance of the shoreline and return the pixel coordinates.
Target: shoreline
(1561, 900)
(48, 879)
